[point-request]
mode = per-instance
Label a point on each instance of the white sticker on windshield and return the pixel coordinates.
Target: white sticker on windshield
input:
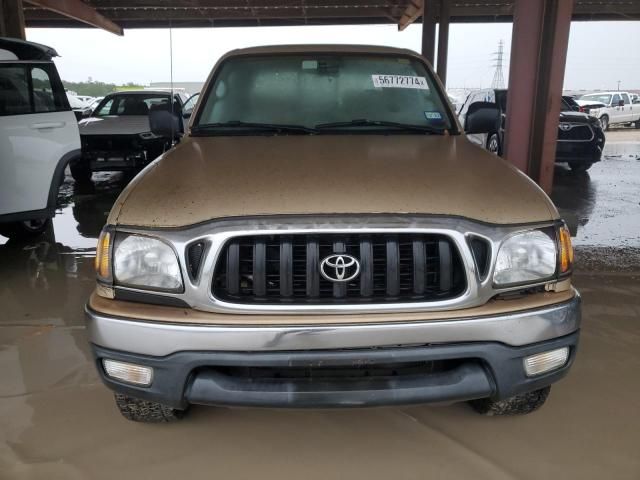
(399, 81)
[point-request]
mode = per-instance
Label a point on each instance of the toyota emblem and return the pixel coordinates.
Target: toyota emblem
(565, 127)
(340, 267)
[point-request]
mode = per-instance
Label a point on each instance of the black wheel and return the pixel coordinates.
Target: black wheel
(24, 230)
(604, 121)
(81, 173)
(580, 167)
(521, 404)
(493, 144)
(138, 410)
(637, 124)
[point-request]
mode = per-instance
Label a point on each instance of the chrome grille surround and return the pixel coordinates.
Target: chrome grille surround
(198, 291)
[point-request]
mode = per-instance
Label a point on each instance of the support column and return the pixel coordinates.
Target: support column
(11, 19)
(443, 39)
(429, 30)
(536, 75)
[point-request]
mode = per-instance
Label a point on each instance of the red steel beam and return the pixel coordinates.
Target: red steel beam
(429, 30)
(538, 57)
(79, 11)
(443, 39)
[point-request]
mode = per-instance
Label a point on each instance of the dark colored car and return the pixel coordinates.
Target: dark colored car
(580, 136)
(117, 136)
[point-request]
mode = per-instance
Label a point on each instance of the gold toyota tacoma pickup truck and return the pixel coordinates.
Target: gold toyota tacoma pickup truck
(324, 235)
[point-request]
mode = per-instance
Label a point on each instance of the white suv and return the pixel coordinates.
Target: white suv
(617, 108)
(38, 136)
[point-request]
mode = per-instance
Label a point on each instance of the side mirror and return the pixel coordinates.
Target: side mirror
(164, 124)
(621, 103)
(482, 117)
(86, 113)
(187, 114)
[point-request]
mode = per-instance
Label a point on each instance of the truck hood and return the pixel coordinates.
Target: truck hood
(214, 177)
(114, 125)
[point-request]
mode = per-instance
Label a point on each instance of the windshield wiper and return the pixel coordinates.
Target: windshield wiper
(249, 126)
(380, 123)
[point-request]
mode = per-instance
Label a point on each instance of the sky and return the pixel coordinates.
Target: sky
(597, 59)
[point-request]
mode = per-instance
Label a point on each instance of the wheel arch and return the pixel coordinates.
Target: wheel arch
(58, 177)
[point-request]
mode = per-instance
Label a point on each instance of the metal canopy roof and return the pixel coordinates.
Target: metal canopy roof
(221, 13)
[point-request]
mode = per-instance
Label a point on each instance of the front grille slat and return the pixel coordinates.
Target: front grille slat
(393, 273)
(419, 266)
(366, 268)
(446, 273)
(259, 268)
(233, 268)
(313, 269)
(285, 269)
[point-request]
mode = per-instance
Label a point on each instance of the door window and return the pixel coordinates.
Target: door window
(14, 91)
(625, 97)
(43, 98)
(615, 101)
(26, 89)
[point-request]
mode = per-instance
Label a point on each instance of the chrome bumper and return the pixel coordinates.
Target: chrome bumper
(160, 339)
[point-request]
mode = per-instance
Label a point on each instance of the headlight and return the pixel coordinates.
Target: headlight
(146, 262)
(526, 257)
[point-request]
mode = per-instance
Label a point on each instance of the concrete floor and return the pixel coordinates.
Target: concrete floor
(57, 421)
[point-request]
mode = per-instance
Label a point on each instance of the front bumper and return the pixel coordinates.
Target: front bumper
(339, 365)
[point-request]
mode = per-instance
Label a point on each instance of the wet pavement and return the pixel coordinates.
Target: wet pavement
(57, 421)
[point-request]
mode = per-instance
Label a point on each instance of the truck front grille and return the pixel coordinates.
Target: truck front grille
(286, 269)
(577, 133)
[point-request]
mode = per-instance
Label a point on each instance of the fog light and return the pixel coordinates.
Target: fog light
(128, 372)
(546, 361)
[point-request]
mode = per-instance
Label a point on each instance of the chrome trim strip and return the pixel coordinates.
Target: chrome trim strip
(159, 339)
(198, 292)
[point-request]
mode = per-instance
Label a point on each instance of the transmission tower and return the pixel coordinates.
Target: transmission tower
(498, 78)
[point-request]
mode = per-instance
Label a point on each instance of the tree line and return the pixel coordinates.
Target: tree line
(93, 88)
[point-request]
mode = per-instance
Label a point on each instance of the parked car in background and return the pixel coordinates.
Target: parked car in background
(80, 108)
(189, 105)
(569, 103)
(85, 99)
(580, 136)
(117, 135)
(588, 105)
(618, 108)
(635, 98)
(38, 136)
(94, 103)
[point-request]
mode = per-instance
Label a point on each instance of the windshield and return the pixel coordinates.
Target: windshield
(132, 104)
(323, 90)
(606, 99)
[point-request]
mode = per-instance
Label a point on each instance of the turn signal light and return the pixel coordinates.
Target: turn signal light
(546, 361)
(566, 250)
(128, 372)
(102, 262)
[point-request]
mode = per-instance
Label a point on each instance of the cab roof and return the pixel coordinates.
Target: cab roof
(320, 48)
(16, 49)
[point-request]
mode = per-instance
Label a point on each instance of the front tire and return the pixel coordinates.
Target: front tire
(138, 410)
(24, 230)
(521, 404)
(604, 121)
(493, 144)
